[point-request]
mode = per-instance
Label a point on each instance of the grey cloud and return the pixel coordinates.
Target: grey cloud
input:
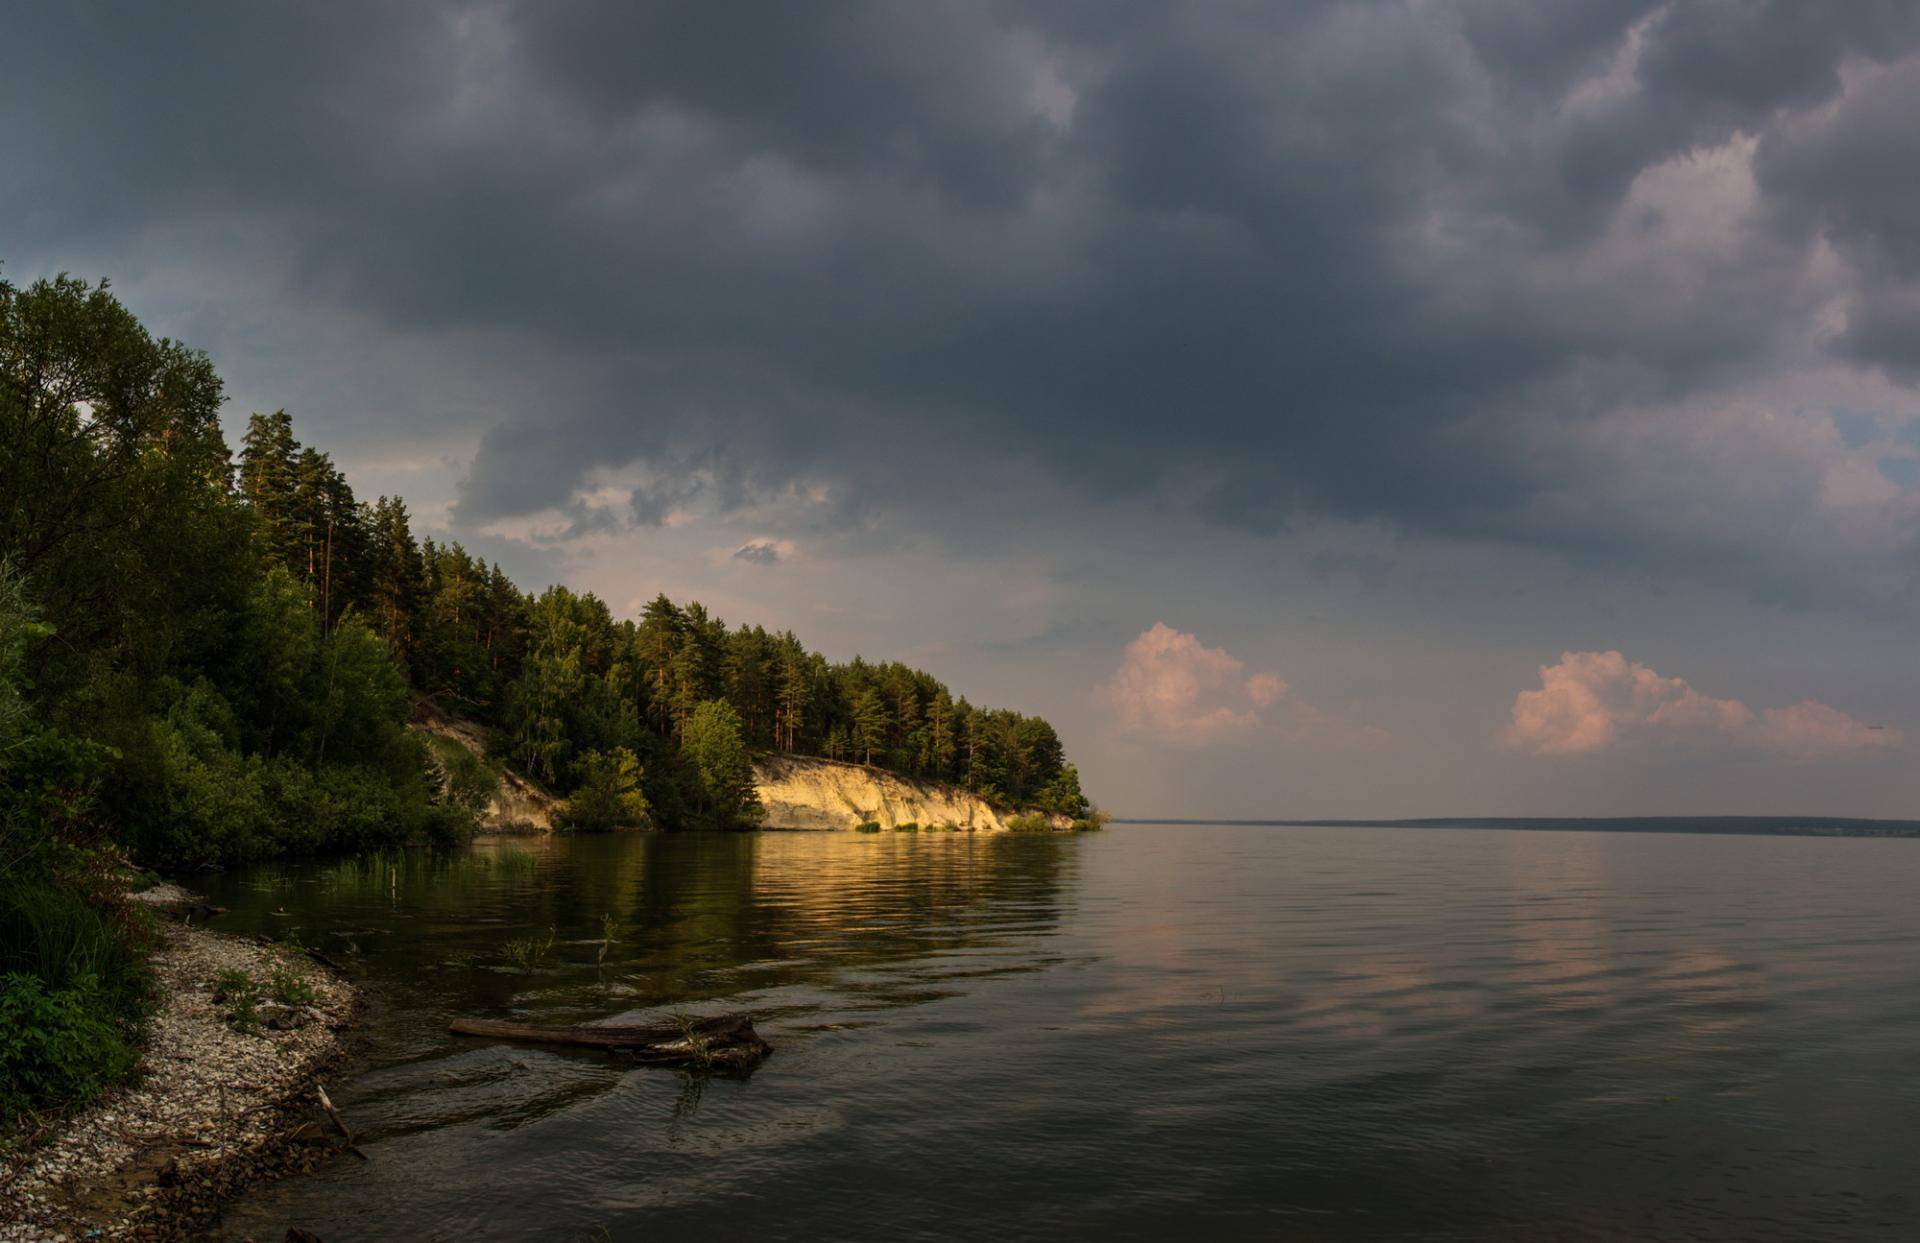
(758, 552)
(1252, 262)
(1844, 175)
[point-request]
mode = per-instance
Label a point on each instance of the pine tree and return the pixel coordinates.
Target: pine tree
(270, 482)
(796, 687)
(869, 723)
(397, 579)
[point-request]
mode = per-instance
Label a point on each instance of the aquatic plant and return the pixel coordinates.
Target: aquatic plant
(608, 928)
(699, 1048)
(527, 953)
(514, 861)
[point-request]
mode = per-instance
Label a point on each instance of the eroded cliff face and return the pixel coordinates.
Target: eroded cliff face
(800, 792)
(516, 805)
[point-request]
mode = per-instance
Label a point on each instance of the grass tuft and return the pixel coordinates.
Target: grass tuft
(527, 953)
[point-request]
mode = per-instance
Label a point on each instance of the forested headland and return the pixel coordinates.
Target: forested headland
(208, 657)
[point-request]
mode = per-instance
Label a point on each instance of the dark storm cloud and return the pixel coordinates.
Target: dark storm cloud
(1848, 173)
(1251, 260)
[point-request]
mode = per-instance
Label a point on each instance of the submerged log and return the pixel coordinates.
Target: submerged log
(724, 1040)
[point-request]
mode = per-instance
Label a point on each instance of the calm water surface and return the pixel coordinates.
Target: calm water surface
(1151, 1032)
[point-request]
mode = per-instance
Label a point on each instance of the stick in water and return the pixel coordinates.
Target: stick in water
(345, 1131)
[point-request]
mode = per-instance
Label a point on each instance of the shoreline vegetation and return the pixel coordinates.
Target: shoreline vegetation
(225, 1095)
(210, 658)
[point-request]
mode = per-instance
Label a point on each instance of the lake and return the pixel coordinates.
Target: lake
(1151, 1032)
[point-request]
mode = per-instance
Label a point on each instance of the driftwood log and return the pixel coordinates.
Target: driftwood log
(723, 1041)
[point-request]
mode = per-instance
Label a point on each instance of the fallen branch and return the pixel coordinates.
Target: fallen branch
(726, 1040)
(346, 1132)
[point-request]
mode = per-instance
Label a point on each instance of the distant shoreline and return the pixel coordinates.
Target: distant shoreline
(1750, 826)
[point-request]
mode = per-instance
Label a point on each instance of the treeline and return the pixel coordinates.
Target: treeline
(216, 652)
(574, 695)
(165, 689)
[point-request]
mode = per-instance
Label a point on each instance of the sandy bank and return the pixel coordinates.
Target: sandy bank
(212, 1110)
(802, 792)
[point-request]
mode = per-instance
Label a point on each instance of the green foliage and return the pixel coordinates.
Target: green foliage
(723, 770)
(527, 953)
(289, 986)
(584, 682)
(699, 1046)
(609, 936)
(1031, 822)
(515, 861)
(1062, 794)
(867, 826)
(609, 793)
(909, 827)
(59, 1045)
(53, 932)
(238, 997)
(236, 654)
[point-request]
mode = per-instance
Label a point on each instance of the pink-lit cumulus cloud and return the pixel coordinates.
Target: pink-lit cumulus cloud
(1174, 689)
(1594, 701)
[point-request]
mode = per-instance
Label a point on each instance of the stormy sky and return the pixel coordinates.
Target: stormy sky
(1436, 407)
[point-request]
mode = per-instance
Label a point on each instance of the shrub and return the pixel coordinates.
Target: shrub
(867, 826)
(290, 987)
(57, 1046)
(909, 827)
(236, 993)
(715, 749)
(1030, 822)
(609, 794)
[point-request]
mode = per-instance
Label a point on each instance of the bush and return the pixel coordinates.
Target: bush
(715, 750)
(201, 800)
(236, 992)
(290, 987)
(61, 939)
(867, 826)
(609, 794)
(58, 1046)
(1030, 822)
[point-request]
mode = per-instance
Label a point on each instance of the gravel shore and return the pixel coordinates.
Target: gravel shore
(212, 1110)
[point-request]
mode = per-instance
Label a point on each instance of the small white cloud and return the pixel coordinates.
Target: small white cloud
(1594, 701)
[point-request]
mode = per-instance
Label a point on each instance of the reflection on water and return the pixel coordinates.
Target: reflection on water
(1202, 1032)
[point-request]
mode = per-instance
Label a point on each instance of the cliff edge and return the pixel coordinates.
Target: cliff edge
(802, 792)
(509, 803)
